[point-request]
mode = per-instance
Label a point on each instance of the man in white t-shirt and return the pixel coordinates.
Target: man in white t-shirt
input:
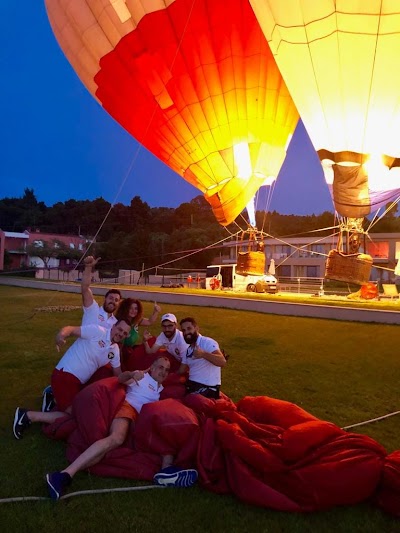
(93, 313)
(203, 359)
(170, 339)
(95, 347)
(142, 387)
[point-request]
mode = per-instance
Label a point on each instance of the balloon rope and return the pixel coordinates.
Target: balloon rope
(192, 252)
(372, 420)
(376, 219)
(372, 223)
(299, 248)
(268, 199)
(307, 233)
(80, 493)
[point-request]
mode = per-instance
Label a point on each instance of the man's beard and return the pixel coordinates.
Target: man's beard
(191, 338)
(109, 308)
(169, 334)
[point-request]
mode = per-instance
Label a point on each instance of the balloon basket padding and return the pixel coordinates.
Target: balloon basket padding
(354, 268)
(251, 263)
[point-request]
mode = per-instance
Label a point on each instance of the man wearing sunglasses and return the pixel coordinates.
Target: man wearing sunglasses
(203, 359)
(171, 339)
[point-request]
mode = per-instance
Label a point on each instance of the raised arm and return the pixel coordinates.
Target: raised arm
(153, 318)
(146, 337)
(64, 333)
(87, 295)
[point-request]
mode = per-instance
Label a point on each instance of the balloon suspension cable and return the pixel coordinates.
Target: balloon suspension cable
(336, 226)
(192, 252)
(239, 227)
(268, 199)
(375, 218)
(387, 209)
(229, 231)
(304, 233)
(300, 248)
(245, 220)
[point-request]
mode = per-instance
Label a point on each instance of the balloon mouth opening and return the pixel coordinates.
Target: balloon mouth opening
(376, 173)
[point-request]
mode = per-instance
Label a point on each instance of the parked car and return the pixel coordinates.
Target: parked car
(226, 277)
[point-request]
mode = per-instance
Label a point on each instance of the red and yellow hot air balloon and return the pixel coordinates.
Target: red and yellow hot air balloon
(193, 81)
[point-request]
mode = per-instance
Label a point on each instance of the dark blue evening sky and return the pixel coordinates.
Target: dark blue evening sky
(58, 141)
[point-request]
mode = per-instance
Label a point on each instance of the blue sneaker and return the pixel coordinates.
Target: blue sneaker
(56, 484)
(21, 422)
(176, 477)
(48, 399)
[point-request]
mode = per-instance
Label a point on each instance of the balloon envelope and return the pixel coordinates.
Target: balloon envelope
(341, 63)
(194, 82)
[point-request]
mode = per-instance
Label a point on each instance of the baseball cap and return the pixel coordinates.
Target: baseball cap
(170, 317)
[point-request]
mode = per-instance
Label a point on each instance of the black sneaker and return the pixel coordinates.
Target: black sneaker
(56, 484)
(21, 422)
(48, 399)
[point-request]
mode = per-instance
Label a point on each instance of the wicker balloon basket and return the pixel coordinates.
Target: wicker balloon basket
(251, 263)
(354, 268)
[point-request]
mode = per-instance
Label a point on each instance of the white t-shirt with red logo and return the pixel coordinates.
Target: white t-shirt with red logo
(176, 346)
(95, 314)
(201, 370)
(92, 350)
(146, 390)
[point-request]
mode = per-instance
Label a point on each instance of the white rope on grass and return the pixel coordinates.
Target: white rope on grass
(372, 420)
(23, 499)
(80, 493)
(117, 489)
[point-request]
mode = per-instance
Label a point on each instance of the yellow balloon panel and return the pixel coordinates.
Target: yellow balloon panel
(341, 63)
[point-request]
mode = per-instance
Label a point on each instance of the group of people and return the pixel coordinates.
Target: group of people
(104, 332)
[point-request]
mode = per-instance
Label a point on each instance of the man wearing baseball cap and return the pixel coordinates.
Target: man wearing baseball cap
(171, 339)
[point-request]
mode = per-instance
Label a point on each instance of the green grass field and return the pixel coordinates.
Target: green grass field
(340, 371)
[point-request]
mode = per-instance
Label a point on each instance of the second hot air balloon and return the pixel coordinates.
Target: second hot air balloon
(341, 63)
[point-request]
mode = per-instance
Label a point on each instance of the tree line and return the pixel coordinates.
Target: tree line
(130, 236)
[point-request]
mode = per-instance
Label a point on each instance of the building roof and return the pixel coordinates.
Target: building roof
(16, 235)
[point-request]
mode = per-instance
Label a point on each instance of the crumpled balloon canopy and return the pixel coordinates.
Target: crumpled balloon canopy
(194, 82)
